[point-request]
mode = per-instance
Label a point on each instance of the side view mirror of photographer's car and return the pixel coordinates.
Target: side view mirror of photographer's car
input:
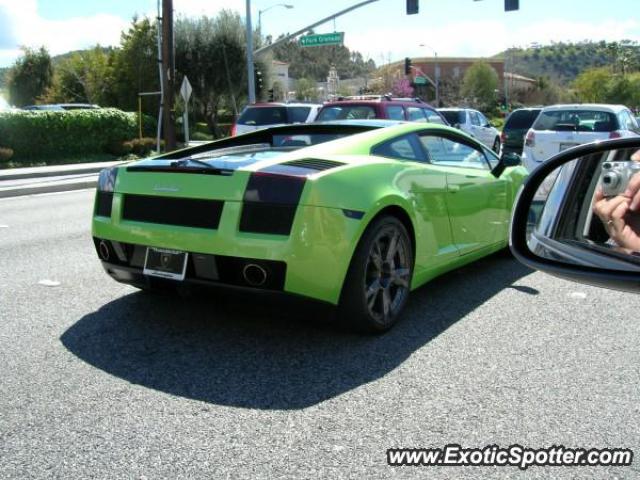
(578, 215)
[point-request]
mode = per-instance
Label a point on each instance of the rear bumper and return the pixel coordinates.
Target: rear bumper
(315, 256)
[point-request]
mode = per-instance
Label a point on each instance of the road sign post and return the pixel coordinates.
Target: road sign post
(319, 40)
(185, 92)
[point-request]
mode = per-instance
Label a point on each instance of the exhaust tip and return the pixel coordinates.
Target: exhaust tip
(103, 249)
(254, 275)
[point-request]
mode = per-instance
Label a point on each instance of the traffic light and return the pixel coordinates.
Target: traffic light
(407, 66)
(510, 5)
(412, 7)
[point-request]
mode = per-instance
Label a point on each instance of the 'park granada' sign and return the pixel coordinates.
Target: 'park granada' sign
(319, 40)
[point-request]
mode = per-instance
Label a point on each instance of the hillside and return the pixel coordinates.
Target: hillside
(563, 62)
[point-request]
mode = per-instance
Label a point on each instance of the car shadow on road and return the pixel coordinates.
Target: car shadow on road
(239, 351)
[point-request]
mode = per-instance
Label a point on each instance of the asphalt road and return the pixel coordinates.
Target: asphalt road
(101, 381)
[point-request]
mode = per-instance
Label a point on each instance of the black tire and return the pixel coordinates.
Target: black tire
(496, 145)
(375, 292)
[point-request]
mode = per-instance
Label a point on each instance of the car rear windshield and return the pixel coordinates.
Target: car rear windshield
(576, 121)
(453, 116)
(346, 112)
(298, 114)
(263, 116)
(521, 119)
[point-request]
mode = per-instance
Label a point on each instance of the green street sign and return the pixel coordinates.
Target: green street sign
(420, 81)
(319, 40)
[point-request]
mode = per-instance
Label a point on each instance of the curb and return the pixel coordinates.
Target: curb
(59, 186)
(54, 171)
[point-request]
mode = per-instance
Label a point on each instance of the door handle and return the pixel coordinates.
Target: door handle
(454, 188)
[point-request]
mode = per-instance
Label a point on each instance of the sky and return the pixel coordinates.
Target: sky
(380, 31)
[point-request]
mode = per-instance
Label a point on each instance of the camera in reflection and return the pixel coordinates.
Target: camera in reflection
(616, 175)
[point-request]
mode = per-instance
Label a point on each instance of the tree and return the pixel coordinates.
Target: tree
(479, 85)
(306, 90)
(402, 88)
(590, 85)
(30, 76)
(135, 67)
(210, 52)
(86, 76)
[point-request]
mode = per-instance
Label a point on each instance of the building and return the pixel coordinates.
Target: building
(453, 68)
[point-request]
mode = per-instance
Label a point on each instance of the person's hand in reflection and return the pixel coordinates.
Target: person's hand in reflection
(621, 214)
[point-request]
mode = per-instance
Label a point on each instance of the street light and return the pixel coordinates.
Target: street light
(260, 12)
(437, 72)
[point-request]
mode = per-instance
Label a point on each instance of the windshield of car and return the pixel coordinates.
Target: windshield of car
(576, 120)
(453, 116)
(263, 116)
(298, 114)
(346, 112)
(521, 119)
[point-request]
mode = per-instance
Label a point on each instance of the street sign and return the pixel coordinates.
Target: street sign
(420, 81)
(318, 40)
(185, 89)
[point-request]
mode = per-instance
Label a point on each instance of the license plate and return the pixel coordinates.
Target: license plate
(564, 146)
(164, 263)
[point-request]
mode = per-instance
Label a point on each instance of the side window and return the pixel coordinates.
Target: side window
(433, 117)
(450, 153)
(415, 114)
(482, 119)
(474, 118)
(491, 157)
(627, 122)
(402, 148)
(395, 112)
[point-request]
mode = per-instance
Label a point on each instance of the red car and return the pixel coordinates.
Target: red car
(379, 106)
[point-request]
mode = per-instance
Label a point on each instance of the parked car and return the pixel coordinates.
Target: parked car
(559, 127)
(278, 210)
(475, 124)
(380, 106)
(263, 115)
(60, 107)
(515, 128)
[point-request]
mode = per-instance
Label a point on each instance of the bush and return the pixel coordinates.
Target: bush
(143, 146)
(199, 136)
(40, 134)
(5, 154)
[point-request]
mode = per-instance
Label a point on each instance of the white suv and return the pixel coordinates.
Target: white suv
(473, 123)
(263, 115)
(564, 126)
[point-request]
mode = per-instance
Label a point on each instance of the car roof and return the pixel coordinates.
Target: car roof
(282, 104)
(586, 106)
(456, 109)
(349, 101)
(380, 123)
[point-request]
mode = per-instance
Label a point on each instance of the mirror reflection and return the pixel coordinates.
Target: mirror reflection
(587, 212)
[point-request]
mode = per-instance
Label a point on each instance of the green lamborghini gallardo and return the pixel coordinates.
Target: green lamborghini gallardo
(353, 214)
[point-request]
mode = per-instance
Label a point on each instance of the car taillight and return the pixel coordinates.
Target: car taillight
(615, 134)
(234, 129)
(503, 136)
(270, 202)
(530, 139)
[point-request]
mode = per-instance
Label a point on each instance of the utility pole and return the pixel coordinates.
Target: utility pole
(168, 77)
(250, 74)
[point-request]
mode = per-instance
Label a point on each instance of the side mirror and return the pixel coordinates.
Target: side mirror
(456, 125)
(510, 159)
(507, 160)
(573, 220)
